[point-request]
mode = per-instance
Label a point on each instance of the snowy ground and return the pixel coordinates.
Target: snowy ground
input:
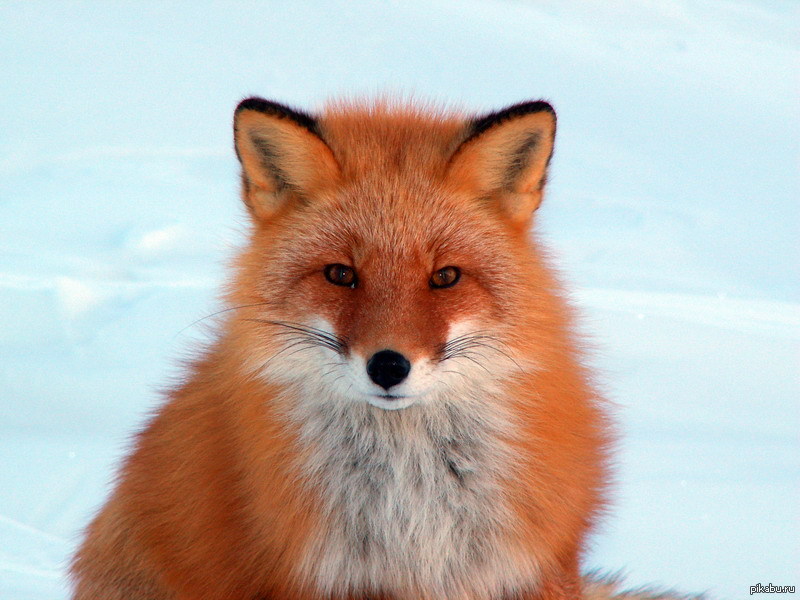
(673, 210)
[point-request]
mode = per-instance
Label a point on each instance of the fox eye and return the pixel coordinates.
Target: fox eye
(341, 275)
(446, 277)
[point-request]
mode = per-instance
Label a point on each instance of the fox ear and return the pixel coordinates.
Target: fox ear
(505, 155)
(282, 155)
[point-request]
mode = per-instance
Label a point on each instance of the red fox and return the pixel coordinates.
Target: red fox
(395, 407)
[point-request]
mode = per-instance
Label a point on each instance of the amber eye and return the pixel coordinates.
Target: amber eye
(341, 275)
(445, 277)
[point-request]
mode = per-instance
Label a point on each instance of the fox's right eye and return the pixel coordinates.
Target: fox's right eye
(341, 275)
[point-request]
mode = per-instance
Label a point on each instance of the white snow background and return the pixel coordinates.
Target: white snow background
(673, 212)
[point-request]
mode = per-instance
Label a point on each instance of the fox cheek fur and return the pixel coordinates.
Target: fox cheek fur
(395, 407)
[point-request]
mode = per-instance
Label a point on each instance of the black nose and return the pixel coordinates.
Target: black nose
(388, 368)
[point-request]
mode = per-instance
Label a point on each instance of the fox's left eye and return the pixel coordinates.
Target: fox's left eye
(341, 275)
(446, 277)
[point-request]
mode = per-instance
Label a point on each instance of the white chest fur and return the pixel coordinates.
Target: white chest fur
(413, 501)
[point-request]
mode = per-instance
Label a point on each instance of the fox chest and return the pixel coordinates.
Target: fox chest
(412, 507)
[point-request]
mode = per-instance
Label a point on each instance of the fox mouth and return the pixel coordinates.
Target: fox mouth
(391, 401)
(390, 396)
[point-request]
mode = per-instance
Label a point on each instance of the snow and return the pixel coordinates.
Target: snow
(673, 213)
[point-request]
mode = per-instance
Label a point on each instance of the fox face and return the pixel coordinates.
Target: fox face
(389, 262)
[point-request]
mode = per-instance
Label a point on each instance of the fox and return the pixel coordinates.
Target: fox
(396, 404)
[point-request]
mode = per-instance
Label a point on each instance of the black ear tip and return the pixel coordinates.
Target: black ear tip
(481, 124)
(275, 109)
(531, 106)
(254, 103)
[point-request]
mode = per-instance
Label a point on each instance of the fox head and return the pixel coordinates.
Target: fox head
(389, 261)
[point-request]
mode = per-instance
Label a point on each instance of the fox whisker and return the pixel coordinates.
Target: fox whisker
(313, 335)
(302, 337)
(219, 312)
(468, 345)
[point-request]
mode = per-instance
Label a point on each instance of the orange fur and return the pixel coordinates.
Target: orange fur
(214, 501)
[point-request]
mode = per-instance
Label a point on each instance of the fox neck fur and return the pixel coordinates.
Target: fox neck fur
(418, 491)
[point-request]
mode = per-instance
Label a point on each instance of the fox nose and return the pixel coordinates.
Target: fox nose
(388, 368)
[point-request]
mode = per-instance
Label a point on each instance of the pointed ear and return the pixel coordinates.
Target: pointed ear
(505, 156)
(282, 155)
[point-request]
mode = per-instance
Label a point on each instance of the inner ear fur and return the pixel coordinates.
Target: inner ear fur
(282, 155)
(505, 155)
